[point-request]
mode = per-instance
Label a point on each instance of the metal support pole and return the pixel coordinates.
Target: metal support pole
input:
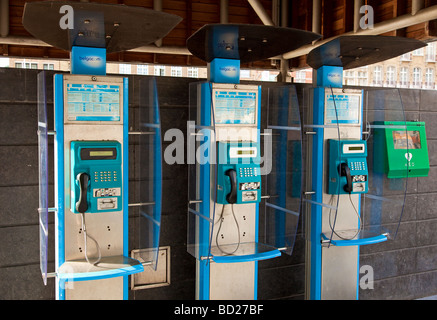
(357, 15)
(4, 18)
(317, 16)
(261, 12)
(224, 14)
(416, 6)
(157, 6)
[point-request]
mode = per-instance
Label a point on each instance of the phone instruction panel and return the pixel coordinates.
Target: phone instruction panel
(342, 108)
(235, 107)
(93, 102)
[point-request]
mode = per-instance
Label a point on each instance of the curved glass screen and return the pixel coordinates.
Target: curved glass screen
(43, 173)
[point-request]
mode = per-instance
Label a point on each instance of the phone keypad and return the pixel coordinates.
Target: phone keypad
(106, 176)
(358, 165)
(248, 172)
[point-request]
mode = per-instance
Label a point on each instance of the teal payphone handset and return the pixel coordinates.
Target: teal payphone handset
(96, 177)
(239, 173)
(348, 173)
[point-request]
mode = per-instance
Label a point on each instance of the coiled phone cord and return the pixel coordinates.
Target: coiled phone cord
(85, 236)
(360, 228)
(220, 226)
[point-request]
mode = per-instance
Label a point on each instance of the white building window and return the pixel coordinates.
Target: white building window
(265, 76)
(391, 76)
(377, 76)
(244, 74)
(124, 68)
(273, 76)
(429, 78)
(193, 72)
(159, 71)
(143, 69)
(301, 76)
(406, 56)
(176, 71)
(431, 52)
(362, 78)
(418, 52)
(26, 65)
(349, 78)
(48, 66)
(404, 77)
(417, 77)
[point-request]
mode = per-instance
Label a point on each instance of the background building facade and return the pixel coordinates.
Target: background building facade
(416, 69)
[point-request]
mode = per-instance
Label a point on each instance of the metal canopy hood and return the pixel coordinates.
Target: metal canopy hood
(114, 27)
(246, 43)
(357, 51)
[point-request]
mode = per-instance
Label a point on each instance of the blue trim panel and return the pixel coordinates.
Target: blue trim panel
(255, 294)
(95, 118)
(247, 258)
(59, 178)
(125, 180)
(205, 190)
(357, 242)
(158, 169)
(111, 273)
(316, 211)
(359, 200)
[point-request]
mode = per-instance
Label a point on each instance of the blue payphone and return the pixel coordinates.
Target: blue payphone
(348, 171)
(239, 173)
(91, 148)
(224, 209)
(96, 176)
(347, 197)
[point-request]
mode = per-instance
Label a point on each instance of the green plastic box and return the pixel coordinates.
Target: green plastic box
(401, 153)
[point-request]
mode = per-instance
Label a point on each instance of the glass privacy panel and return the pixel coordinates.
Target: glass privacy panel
(149, 171)
(200, 151)
(43, 173)
(284, 168)
(200, 207)
(317, 204)
(333, 229)
(385, 125)
(193, 190)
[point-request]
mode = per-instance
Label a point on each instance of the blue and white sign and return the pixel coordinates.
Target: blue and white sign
(329, 76)
(224, 71)
(86, 60)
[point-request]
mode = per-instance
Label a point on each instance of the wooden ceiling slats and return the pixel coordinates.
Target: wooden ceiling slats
(337, 18)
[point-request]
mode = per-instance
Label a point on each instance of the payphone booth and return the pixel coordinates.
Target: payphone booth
(352, 197)
(91, 149)
(244, 184)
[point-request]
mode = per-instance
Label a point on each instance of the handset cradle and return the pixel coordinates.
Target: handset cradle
(346, 172)
(83, 179)
(231, 197)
